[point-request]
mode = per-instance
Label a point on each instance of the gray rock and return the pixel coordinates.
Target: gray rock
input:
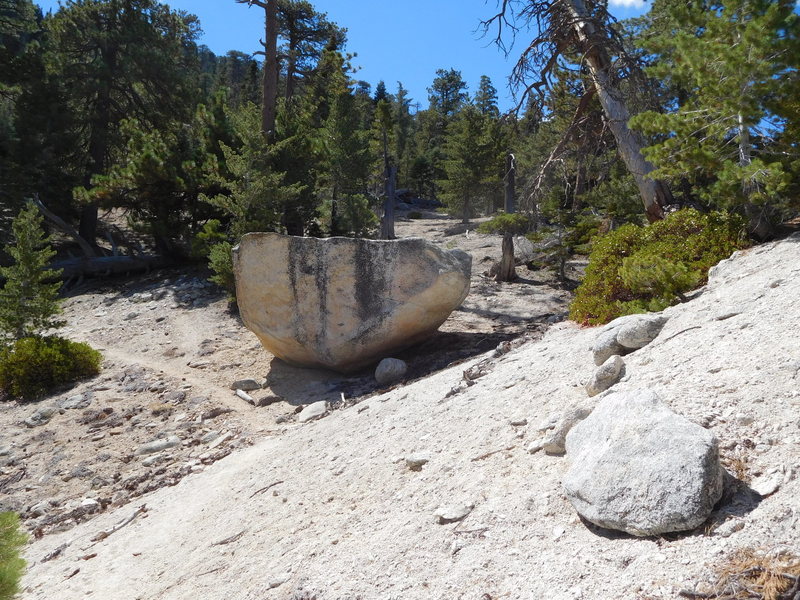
(606, 346)
(524, 250)
(638, 467)
(246, 397)
(176, 396)
(767, 484)
(390, 370)
(154, 459)
(159, 445)
(341, 303)
(549, 422)
(75, 402)
(728, 528)
(279, 580)
(415, 462)
(39, 509)
(727, 313)
(209, 437)
(313, 411)
(640, 331)
(534, 447)
(41, 416)
(247, 385)
(6, 450)
(452, 513)
(554, 442)
(609, 373)
(91, 505)
(220, 440)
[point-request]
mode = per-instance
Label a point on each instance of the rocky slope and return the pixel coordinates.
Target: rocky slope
(428, 490)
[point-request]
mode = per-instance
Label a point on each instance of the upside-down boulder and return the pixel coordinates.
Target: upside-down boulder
(343, 303)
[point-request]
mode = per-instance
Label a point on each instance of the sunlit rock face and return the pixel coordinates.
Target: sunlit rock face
(343, 303)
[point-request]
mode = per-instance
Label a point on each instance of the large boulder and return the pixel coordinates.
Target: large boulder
(343, 303)
(638, 467)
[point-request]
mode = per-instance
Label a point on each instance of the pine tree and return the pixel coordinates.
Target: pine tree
(486, 97)
(468, 162)
(732, 58)
(28, 304)
(120, 59)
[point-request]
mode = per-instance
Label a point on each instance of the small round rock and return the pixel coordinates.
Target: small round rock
(390, 370)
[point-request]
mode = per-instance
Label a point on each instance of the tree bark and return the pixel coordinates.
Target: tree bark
(758, 224)
(269, 108)
(655, 194)
(270, 80)
(98, 143)
(104, 266)
(510, 184)
(507, 271)
(387, 219)
(87, 249)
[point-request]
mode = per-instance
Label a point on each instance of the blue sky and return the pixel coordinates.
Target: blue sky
(395, 41)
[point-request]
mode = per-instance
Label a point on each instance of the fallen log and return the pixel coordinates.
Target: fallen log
(103, 266)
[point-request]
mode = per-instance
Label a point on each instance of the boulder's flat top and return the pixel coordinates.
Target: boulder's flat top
(330, 509)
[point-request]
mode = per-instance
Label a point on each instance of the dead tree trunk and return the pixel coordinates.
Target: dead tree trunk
(270, 53)
(268, 109)
(510, 184)
(87, 249)
(387, 219)
(507, 271)
(655, 194)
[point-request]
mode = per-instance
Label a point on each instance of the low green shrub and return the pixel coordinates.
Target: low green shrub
(220, 260)
(655, 276)
(414, 214)
(12, 566)
(210, 235)
(32, 366)
(635, 269)
(514, 223)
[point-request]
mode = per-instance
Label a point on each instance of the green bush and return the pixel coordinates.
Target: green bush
(414, 214)
(207, 238)
(514, 223)
(648, 274)
(30, 367)
(11, 565)
(220, 260)
(635, 269)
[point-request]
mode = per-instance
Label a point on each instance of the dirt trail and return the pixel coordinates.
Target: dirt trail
(171, 351)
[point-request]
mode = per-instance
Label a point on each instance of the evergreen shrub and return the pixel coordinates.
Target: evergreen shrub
(514, 223)
(220, 260)
(32, 366)
(635, 269)
(414, 214)
(11, 564)
(210, 235)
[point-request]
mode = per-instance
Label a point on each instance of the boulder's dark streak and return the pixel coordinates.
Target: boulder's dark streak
(371, 282)
(321, 279)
